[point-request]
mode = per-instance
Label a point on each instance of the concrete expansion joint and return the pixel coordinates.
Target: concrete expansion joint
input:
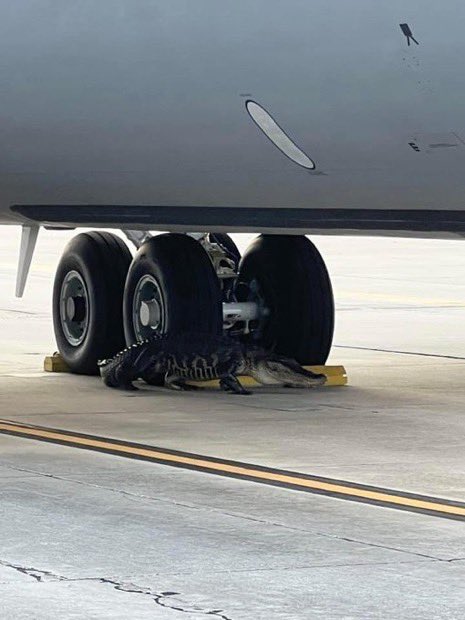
(238, 515)
(398, 352)
(313, 532)
(378, 546)
(102, 487)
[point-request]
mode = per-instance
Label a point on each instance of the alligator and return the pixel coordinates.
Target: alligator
(202, 357)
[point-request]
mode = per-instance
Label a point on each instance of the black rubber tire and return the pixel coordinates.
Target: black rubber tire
(187, 281)
(295, 286)
(102, 259)
(228, 244)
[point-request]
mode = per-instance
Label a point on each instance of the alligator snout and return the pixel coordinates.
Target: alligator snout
(282, 371)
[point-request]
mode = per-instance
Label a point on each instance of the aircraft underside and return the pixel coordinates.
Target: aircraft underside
(153, 105)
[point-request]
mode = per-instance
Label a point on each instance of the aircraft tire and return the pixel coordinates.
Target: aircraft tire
(290, 279)
(172, 280)
(88, 300)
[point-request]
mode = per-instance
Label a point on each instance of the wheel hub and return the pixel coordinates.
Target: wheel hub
(74, 308)
(148, 312)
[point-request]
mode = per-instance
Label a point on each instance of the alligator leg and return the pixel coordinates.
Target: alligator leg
(230, 383)
(127, 385)
(175, 382)
(130, 387)
(123, 379)
(119, 379)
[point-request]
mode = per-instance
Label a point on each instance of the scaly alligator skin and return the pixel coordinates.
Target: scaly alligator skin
(202, 357)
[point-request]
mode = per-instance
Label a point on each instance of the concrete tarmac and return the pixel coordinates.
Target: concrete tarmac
(89, 535)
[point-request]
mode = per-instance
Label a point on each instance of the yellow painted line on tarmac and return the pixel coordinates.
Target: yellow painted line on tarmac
(340, 489)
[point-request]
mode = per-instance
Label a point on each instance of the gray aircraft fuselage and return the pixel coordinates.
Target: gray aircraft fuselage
(141, 104)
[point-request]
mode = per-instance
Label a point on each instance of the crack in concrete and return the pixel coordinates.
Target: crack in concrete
(35, 573)
(162, 598)
(42, 576)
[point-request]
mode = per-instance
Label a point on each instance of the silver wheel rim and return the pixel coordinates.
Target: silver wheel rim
(74, 308)
(148, 308)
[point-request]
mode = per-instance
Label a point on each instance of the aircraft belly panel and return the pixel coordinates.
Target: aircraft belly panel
(144, 103)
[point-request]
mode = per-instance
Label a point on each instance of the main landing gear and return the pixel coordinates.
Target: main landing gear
(278, 295)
